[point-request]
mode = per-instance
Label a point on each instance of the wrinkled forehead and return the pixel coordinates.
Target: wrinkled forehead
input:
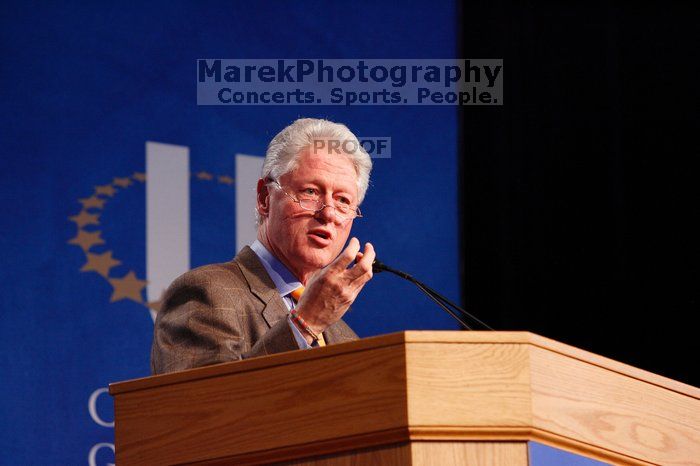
(324, 165)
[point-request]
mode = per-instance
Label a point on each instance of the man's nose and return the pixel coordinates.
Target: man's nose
(326, 213)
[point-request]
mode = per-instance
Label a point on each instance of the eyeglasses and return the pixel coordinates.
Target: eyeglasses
(315, 204)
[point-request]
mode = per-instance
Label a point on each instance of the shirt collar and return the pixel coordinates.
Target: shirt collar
(284, 280)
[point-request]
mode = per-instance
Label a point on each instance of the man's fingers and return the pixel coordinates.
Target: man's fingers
(347, 256)
(363, 267)
(368, 256)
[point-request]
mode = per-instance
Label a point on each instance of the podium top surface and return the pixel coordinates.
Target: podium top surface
(411, 386)
(401, 338)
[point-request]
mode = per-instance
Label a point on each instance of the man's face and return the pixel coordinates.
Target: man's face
(303, 240)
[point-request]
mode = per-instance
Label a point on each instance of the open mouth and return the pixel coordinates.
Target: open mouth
(324, 235)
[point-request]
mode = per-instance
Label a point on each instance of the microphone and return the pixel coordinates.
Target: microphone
(447, 305)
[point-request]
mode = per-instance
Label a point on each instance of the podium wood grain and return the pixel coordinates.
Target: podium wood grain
(429, 454)
(408, 398)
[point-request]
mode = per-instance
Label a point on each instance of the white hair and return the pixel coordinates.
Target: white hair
(284, 150)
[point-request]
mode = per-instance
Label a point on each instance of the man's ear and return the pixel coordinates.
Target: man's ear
(263, 198)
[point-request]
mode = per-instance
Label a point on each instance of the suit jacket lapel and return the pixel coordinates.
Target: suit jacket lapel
(262, 286)
(274, 309)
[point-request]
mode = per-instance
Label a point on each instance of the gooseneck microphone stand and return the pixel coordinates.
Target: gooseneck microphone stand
(458, 313)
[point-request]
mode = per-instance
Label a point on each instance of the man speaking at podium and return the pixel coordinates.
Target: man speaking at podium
(291, 287)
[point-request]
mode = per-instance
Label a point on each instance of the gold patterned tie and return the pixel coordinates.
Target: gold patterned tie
(296, 296)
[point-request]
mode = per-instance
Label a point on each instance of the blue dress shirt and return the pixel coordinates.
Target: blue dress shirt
(285, 283)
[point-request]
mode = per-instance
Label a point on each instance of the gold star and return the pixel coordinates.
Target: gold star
(100, 263)
(204, 175)
(155, 305)
(84, 218)
(139, 176)
(93, 201)
(107, 190)
(86, 239)
(122, 182)
(226, 180)
(128, 287)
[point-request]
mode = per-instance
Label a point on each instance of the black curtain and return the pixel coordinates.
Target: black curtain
(579, 196)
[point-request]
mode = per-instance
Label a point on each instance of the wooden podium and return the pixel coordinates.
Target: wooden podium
(411, 398)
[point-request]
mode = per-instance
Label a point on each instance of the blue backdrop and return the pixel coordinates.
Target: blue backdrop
(83, 87)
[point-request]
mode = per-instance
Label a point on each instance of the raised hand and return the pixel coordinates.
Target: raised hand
(331, 291)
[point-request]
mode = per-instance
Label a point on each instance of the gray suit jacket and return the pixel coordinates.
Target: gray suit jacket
(224, 312)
